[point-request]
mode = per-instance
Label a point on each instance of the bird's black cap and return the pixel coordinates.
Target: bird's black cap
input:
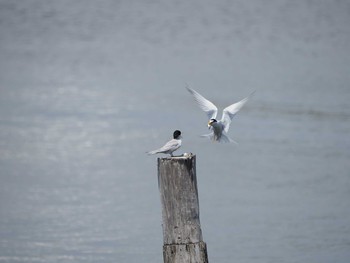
(177, 134)
(213, 120)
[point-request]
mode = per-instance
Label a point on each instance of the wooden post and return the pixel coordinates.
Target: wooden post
(182, 234)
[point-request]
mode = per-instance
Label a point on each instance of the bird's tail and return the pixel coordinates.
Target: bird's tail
(153, 152)
(223, 139)
(209, 136)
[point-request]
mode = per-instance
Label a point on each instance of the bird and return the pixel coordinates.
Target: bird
(171, 146)
(219, 128)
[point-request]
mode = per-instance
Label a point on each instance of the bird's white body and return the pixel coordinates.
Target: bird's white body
(171, 146)
(219, 127)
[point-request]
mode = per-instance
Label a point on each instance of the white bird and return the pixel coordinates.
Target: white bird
(219, 127)
(171, 145)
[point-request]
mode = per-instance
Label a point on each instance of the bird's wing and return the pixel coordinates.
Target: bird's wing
(169, 145)
(208, 107)
(230, 111)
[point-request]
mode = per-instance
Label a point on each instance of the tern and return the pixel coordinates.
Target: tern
(171, 146)
(219, 127)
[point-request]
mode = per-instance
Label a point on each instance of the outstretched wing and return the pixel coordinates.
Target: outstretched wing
(230, 111)
(207, 106)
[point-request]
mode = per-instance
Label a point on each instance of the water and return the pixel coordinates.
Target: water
(86, 88)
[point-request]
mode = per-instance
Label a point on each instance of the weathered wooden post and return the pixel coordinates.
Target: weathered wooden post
(182, 234)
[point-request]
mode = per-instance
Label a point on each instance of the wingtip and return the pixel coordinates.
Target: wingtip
(189, 89)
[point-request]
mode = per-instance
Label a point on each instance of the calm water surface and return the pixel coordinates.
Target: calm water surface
(87, 88)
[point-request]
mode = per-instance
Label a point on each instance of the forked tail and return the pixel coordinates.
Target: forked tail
(153, 152)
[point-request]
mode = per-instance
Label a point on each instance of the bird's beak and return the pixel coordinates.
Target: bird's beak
(209, 124)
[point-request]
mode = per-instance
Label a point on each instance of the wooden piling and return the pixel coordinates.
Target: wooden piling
(182, 234)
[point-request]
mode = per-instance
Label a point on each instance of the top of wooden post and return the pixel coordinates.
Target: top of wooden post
(176, 157)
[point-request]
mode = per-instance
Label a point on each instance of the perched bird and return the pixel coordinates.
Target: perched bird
(171, 145)
(219, 127)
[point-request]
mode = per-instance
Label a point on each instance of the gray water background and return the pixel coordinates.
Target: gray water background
(86, 87)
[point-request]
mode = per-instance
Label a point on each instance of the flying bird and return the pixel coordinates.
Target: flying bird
(219, 128)
(171, 146)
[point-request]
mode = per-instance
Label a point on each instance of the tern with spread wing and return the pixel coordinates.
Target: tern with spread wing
(219, 127)
(171, 146)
